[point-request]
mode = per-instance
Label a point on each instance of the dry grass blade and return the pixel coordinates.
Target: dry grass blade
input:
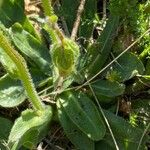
(106, 121)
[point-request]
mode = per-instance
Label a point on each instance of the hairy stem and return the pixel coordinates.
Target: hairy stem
(51, 22)
(23, 72)
(47, 7)
(52, 33)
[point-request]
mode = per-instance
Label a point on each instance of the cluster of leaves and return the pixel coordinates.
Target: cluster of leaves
(135, 19)
(86, 111)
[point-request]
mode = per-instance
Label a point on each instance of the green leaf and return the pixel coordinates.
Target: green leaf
(84, 114)
(141, 103)
(21, 3)
(141, 108)
(11, 11)
(30, 128)
(31, 48)
(147, 69)
(144, 53)
(37, 76)
(5, 127)
(6, 61)
(128, 66)
(104, 145)
(122, 128)
(8, 64)
(147, 8)
(12, 92)
(75, 135)
(105, 89)
(126, 135)
(69, 13)
(108, 144)
(98, 53)
(87, 19)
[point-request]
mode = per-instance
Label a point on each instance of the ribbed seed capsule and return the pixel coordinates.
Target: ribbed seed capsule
(64, 56)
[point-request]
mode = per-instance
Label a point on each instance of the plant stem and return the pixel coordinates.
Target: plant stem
(78, 18)
(55, 32)
(47, 7)
(104, 9)
(51, 32)
(51, 22)
(23, 72)
(105, 119)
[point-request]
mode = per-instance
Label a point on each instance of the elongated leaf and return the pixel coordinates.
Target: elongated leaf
(99, 52)
(82, 111)
(103, 144)
(128, 137)
(128, 66)
(31, 47)
(69, 13)
(87, 19)
(11, 12)
(12, 92)
(107, 89)
(140, 103)
(75, 135)
(147, 71)
(21, 3)
(29, 128)
(140, 84)
(8, 64)
(5, 127)
(123, 128)
(37, 76)
(108, 144)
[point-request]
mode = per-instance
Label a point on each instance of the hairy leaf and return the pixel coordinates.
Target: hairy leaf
(8, 64)
(11, 11)
(69, 13)
(99, 51)
(87, 19)
(126, 135)
(128, 66)
(83, 112)
(5, 127)
(31, 47)
(30, 128)
(75, 135)
(107, 89)
(12, 92)
(6, 61)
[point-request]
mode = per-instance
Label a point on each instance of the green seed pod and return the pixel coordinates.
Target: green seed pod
(65, 56)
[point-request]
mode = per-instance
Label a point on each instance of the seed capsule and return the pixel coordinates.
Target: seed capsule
(65, 56)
